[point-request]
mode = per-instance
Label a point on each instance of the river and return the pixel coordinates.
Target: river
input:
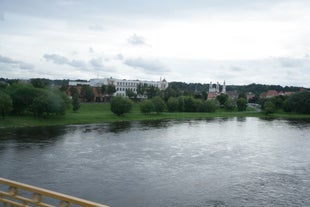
(208, 162)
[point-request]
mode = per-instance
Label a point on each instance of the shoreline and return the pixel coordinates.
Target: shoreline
(94, 113)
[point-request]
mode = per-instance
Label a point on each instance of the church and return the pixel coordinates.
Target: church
(214, 90)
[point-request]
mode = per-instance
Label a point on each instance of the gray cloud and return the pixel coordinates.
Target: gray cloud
(96, 62)
(62, 60)
(293, 62)
(10, 61)
(149, 66)
(96, 27)
(58, 59)
(136, 40)
(120, 56)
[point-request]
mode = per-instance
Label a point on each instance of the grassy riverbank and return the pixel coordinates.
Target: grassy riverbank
(98, 113)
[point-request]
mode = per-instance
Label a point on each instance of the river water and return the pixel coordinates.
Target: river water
(213, 162)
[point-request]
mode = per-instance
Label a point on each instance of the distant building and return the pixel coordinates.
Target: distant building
(121, 85)
(274, 93)
(214, 90)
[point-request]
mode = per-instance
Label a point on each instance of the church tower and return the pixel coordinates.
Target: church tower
(224, 87)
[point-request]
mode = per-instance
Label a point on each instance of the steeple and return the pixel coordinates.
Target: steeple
(224, 87)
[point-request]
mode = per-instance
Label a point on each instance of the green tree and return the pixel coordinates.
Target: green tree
(110, 89)
(141, 89)
(6, 104)
(241, 104)
(103, 89)
(73, 91)
(120, 105)
(173, 104)
(269, 107)
(48, 103)
(87, 93)
(222, 99)
(299, 102)
(40, 82)
(22, 96)
(181, 104)
(146, 106)
(75, 102)
(159, 104)
(210, 106)
(151, 92)
(189, 104)
(131, 94)
(229, 105)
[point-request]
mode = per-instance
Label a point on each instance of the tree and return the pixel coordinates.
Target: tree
(39, 82)
(222, 98)
(120, 105)
(110, 89)
(151, 92)
(87, 93)
(103, 89)
(269, 107)
(189, 104)
(141, 89)
(229, 105)
(47, 103)
(73, 91)
(299, 102)
(22, 96)
(209, 106)
(241, 104)
(75, 102)
(173, 104)
(146, 106)
(159, 104)
(131, 94)
(6, 104)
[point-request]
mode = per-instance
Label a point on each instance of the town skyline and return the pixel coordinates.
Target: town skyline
(239, 41)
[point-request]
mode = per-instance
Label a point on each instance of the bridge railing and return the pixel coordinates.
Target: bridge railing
(23, 195)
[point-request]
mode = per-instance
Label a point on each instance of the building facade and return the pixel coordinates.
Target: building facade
(121, 85)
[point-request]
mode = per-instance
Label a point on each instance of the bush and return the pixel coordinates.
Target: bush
(158, 104)
(229, 105)
(146, 106)
(269, 107)
(173, 104)
(299, 102)
(6, 104)
(241, 104)
(209, 106)
(120, 105)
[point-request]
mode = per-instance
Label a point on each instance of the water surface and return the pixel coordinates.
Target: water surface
(214, 162)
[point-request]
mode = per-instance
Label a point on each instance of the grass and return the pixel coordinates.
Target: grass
(99, 113)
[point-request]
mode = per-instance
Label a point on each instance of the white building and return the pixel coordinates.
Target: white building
(121, 85)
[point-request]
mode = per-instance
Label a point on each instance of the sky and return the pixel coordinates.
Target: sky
(196, 41)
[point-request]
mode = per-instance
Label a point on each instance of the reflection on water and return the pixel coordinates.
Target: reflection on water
(208, 162)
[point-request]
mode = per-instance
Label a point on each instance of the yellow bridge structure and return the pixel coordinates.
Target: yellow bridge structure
(23, 195)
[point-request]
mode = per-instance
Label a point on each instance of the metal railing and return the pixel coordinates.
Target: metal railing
(15, 196)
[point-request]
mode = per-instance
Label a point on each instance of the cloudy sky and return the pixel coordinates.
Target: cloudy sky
(240, 41)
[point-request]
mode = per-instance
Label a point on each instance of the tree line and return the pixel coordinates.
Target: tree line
(39, 99)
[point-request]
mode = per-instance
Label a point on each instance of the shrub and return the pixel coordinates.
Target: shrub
(146, 106)
(269, 107)
(173, 104)
(241, 104)
(120, 105)
(159, 104)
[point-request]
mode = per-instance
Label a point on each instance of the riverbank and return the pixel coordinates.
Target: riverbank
(98, 113)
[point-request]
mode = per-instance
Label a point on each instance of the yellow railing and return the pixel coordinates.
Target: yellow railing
(16, 196)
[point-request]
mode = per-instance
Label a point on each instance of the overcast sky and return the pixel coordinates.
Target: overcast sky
(240, 41)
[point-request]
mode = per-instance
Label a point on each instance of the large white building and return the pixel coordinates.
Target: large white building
(121, 85)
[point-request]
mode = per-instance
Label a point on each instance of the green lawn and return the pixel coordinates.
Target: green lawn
(100, 112)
